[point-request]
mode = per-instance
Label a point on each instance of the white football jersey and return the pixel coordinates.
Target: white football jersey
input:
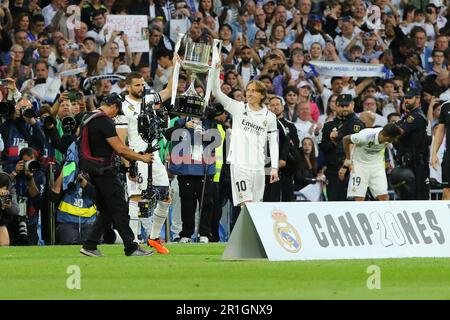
(129, 120)
(250, 132)
(368, 150)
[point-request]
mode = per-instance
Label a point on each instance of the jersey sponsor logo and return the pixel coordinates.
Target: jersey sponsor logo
(285, 233)
(251, 127)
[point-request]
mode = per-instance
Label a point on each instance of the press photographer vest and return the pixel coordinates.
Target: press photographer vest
(75, 203)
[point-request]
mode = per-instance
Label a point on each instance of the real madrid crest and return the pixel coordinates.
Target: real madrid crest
(265, 123)
(285, 233)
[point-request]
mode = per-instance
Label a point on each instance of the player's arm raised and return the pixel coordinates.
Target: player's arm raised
(166, 93)
(230, 105)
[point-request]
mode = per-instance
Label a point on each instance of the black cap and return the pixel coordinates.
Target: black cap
(411, 93)
(47, 42)
(218, 109)
(114, 98)
(344, 99)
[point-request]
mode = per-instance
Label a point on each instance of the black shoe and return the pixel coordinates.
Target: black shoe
(91, 253)
(177, 239)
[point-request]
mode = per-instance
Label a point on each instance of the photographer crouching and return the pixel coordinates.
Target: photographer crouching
(9, 210)
(29, 181)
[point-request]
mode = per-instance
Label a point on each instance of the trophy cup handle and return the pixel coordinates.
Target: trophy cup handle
(216, 49)
(176, 70)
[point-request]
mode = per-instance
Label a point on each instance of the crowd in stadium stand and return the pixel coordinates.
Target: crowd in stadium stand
(61, 58)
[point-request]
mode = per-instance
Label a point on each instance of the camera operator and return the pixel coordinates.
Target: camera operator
(128, 126)
(20, 130)
(29, 181)
(9, 210)
(103, 141)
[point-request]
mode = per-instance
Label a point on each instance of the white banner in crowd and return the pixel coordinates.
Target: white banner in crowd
(72, 72)
(341, 230)
(135, 27)
(348, 69)
(47, 91)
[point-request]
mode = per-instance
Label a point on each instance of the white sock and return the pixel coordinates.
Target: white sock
(133, 211)
(147, 224)
(159, 217)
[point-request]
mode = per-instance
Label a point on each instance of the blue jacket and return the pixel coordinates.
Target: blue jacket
(183, 145)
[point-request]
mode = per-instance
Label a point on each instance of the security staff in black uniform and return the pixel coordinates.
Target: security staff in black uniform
(443, 128)
(272, 191)
(111, 203)
(292, 162)
(345, 123)
(413, 145)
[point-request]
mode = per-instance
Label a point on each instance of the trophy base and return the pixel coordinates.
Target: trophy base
(189, 106)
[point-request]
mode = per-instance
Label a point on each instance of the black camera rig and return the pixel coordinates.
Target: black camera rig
(151, 126)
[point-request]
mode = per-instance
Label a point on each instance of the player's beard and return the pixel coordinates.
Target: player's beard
(136, 95)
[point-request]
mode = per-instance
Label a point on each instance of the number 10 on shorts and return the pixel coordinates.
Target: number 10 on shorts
(241, 186)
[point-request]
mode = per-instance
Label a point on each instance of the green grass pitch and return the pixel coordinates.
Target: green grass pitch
(196, 271)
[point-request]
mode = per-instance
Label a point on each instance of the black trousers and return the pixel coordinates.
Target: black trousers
(113, 208)
(72, 233)
(287, 188)
(336, 189)
(216, 214)
(191, 194)
(272, 191)
(421, 171)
